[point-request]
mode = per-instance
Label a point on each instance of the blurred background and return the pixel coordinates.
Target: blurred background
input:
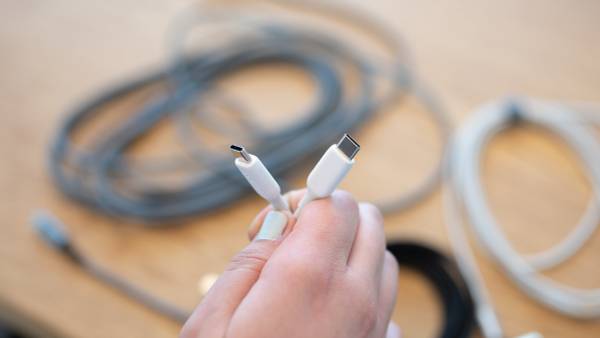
(56, 55)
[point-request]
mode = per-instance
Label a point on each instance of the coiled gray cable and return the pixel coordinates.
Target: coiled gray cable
(105, 178)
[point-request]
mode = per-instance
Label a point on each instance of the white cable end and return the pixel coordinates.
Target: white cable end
(259, 178)
(330, 170)
(304, 201)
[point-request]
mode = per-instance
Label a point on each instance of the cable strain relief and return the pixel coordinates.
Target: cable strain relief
(308, 196)
(280, 204)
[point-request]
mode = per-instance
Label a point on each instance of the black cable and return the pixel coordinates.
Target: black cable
(458, 305)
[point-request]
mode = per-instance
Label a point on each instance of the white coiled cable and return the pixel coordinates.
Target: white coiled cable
(464, 189)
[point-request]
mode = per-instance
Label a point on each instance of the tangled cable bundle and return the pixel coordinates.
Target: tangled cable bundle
(104, 177)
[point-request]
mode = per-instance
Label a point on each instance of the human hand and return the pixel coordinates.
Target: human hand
(326, 275)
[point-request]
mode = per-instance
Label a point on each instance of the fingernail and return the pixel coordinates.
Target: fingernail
(272, 226)
(393, 331)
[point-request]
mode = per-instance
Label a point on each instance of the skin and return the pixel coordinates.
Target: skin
(327, 276)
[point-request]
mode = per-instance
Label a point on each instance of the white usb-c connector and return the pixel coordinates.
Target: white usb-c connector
(330, 170)
(259, 178)
(322, 180)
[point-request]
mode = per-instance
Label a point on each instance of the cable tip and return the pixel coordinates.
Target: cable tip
(50, 229)
(348, 146)
(239, 151)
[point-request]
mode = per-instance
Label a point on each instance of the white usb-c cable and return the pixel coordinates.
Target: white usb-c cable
(465, 203)
(330, 170)
(322, 180)
(259, 177)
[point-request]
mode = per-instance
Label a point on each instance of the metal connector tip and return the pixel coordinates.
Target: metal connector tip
(239, 151)
(348, 146)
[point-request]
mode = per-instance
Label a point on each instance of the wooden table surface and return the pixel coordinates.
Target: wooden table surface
(54, 54)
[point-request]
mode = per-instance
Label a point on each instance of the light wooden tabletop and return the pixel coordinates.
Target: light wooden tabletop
(54, 54)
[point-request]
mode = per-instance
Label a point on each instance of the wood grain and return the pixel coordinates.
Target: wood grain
(56, 53)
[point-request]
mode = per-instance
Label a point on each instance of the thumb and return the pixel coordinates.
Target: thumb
(212, 315)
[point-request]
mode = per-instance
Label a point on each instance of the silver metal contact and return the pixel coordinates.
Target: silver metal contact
(348, 146)
(239, 151)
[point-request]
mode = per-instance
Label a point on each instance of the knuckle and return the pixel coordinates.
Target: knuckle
(249, 259)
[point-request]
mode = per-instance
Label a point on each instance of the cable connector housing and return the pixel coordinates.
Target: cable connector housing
(259, 177)
(330, 170)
